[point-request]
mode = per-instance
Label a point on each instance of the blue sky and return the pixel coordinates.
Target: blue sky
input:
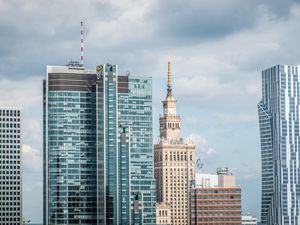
(218, 50)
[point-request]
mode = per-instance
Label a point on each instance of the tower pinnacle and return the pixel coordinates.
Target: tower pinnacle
(169, 94)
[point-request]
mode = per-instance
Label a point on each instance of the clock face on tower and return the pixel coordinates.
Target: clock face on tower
(172, 111)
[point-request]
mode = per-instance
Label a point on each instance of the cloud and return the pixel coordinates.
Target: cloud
(32, 159)
(218, 51)
(193, 20)
(203, 150)
(122, 32)
(32, 182)
(33, 131)
(25, 92)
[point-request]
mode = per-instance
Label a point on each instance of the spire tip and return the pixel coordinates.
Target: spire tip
(169, 79)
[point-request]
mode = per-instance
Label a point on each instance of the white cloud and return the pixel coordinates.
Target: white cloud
(32, 160)
(203, 150)
(32, 183)
(221, 69)
(33, 132)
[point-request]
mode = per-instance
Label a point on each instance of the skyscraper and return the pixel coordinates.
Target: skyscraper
(10, 166)
(279, 133)
(98, 166)
(174, 161)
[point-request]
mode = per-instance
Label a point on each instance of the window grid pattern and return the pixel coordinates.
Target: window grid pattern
(280, 139)
(135, 111)
(72, 158)
(98, 147)
(219, 206)
(10, 167)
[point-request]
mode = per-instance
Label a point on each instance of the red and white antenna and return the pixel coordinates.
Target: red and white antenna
(81, 43)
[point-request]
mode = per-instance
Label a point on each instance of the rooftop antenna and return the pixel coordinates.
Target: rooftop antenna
(81, 43)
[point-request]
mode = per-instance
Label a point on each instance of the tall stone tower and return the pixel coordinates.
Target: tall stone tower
(174, 161)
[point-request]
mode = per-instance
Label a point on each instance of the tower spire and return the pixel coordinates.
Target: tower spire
(81, 43)
(169, 79)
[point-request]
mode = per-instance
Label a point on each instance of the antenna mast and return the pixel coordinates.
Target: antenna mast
(81, 43)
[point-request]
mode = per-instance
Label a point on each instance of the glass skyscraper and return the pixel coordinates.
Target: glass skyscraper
(98, 166)
(279, 132)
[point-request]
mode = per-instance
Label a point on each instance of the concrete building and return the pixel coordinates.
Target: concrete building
(174, 161)
(98, 157)
(10, 166)
(215, 199)
(280, 153)
(221, 179)
(163, 214)
(249, 220)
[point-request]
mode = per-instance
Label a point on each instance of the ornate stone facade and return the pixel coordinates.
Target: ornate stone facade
(174, 162)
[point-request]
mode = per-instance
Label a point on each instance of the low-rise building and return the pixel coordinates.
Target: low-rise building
(249, 220)
(215, 199)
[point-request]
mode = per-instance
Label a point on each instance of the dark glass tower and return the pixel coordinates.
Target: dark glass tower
(97, 146)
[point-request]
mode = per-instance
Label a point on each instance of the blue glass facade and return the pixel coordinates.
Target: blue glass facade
(280, 138)
(135, 111)
(97, 147)
(71, 155)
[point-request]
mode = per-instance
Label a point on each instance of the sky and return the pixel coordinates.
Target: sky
(218, 50)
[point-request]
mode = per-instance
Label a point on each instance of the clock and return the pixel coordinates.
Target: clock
(172, 111)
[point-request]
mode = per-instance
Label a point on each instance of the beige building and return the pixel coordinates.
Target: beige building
(174, 162)
(163, 214)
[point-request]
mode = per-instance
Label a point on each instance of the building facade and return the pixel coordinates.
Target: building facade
(174, 162)
(279, 133)
(163, 214)
(215, 199)
(10, 166)
(97, 147)
(249, 220)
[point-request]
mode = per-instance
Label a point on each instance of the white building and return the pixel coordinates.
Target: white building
(249, 220)
(221, 179)
(10, 166)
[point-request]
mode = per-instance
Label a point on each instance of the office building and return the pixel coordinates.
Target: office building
(249, 220)
(215, 199)
(174, 161)
(10, 166)
(98, 166)
(163, 214)
(279, 134)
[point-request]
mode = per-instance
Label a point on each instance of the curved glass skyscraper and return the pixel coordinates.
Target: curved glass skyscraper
(98, 166)
(280, 139)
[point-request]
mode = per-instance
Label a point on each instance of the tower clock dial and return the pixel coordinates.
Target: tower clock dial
(172, 111)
